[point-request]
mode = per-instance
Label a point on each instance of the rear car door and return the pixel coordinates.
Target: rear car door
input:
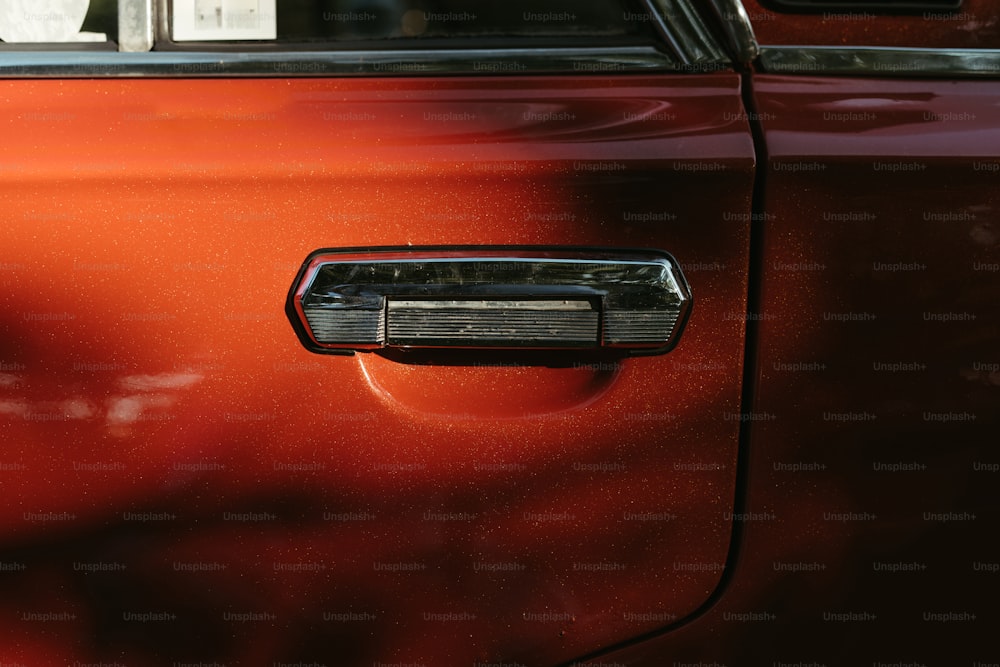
(871, 508)
(187, 482)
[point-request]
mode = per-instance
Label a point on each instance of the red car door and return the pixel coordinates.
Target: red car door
(186, 482)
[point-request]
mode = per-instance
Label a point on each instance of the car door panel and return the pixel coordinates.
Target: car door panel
(190, 483)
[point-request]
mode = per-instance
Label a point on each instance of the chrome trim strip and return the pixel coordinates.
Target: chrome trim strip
(739, 30)
(698, 36)
(135, 25)
(597, 60)
(880, 61)
(663, 29)
(695, 37)
(696, 43)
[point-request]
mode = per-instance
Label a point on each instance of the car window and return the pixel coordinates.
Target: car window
(328, 37)
(300, 19)
(24, 23)
(185, 24)
(307, 21)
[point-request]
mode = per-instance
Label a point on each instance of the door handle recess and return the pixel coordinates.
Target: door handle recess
(489, 297)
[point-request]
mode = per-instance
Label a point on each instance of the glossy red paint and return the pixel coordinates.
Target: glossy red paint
(185, 482)
(872, 505)
(975, 26)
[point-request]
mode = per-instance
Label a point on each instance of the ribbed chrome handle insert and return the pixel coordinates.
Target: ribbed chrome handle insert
(489, 297)
(491, 323)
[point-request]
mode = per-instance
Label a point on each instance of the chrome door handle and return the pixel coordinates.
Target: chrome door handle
(489, 297)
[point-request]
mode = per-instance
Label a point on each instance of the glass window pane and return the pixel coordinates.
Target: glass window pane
(28, 22)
